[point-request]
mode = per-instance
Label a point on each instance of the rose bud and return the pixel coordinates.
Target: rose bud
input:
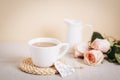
(93, 57)
(101, 44)
(81, 49)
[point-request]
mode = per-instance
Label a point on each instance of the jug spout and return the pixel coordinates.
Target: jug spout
(71, 22)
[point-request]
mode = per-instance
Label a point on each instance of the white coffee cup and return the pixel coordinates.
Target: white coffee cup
(46, 56)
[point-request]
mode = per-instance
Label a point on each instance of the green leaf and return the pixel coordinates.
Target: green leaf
(96, 35)
(111, 53)
(117, 45)
(117, 49)
(117, 56)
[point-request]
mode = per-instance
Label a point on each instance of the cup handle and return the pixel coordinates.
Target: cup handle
(63, 47)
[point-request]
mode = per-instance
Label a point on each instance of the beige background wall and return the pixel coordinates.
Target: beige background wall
(21, 20)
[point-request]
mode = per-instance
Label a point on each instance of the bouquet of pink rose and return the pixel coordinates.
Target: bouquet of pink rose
(95, 51)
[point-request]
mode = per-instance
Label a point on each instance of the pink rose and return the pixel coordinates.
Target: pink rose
(101, 44)
(81, 49)
(93, 57)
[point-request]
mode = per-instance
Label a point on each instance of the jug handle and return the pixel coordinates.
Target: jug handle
(90, 27)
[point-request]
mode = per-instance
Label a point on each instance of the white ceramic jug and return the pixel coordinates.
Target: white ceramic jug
(75, 30)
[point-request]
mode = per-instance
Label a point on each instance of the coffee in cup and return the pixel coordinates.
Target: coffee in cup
(44, 44)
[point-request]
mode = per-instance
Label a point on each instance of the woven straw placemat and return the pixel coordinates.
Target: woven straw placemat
(27, 66)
